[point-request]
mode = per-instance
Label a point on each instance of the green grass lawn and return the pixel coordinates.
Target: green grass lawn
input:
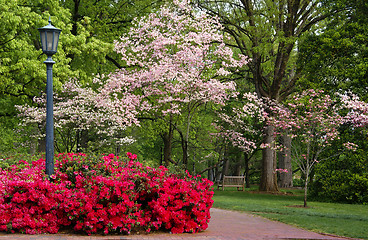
(340, 219)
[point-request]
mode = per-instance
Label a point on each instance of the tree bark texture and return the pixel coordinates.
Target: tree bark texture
(184, 147)
(225, 169)
(167, 138)
(167, 148)
(238, 166)
(246, 172)
(268, 176)
(286, 178)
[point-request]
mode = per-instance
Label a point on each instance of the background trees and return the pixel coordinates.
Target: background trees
(334, 58)
(268, 32)
(167, 74)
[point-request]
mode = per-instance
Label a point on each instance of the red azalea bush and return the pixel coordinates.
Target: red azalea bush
(101, 195)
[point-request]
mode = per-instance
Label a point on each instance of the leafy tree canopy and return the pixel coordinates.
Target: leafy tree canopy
(85, 47)
(336, 57)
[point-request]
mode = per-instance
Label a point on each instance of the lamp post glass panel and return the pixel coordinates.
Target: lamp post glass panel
(49, 41)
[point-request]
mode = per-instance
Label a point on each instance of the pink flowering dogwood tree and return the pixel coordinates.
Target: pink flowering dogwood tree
(176, 61)
(312, 119)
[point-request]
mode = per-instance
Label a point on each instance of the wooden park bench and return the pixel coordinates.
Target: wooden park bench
(232, 181)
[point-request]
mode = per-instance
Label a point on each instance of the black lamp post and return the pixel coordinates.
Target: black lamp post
(49, 41)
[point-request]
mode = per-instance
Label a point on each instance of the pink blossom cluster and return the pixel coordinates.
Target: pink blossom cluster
(358, 110)
(242, 128)
(175, 58)
(350, 146)
(103, 195)
(310, 115)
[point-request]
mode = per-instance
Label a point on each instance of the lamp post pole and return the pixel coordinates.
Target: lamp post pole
(49, 118)
(49, 41)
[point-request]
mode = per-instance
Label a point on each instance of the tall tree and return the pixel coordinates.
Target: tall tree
(267, 31)
(176, 60)
(241, 125)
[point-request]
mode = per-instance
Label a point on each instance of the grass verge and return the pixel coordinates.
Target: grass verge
(332, 218)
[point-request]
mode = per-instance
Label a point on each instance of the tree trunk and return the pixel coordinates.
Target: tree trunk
(247, 175)
(211, 171)
(117, 149)
(33, 144)
(84, 140)
(42, 145)
(268, 177)
(77, 136)
(211, 175)
(225, 168)
(185, 141)
(32, 148)
(286, 179)
(238, 166)
(184, 147)
(167, 139)
(306, 189)
(226, 163)
(218, 176)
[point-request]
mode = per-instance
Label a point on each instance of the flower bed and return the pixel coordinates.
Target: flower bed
(101, 195)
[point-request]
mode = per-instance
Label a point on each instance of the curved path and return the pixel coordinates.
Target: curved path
(224, 225)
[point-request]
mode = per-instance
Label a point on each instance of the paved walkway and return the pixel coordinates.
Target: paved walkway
(224, 225)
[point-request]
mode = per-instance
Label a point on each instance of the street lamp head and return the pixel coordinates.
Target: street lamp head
(49, 38)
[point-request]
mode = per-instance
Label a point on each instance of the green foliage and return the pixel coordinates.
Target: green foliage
(85, 49)
(21, 67)
(344, 179)
(336, 58)
(18, 159)
(10, 140)
(85, 46)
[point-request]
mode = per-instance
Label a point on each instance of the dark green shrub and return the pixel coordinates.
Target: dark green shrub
(342, 179)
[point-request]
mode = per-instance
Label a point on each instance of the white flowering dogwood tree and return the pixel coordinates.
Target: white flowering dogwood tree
(74, 111)
(243, 129)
